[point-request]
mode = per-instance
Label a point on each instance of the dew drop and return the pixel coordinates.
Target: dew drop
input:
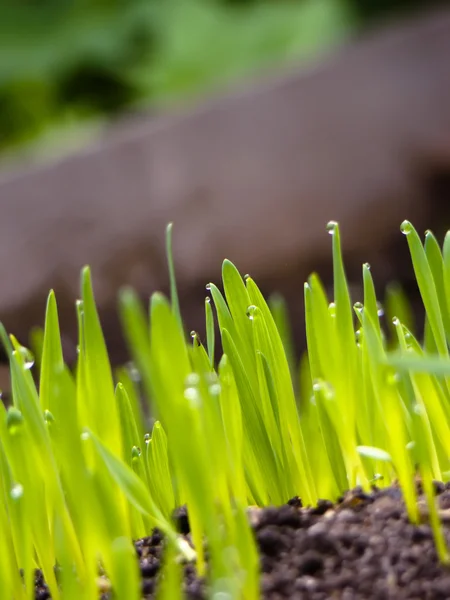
(380, 310)
(14, 420)
(48, 417)
(147, 438)
(16, 491)
(215, 389)
(332, 309)
(192, 395)
(331, 227)
(359, 307)
(208, 300)
(27, 356)
(252, 311)
(85, 436)
(192, 380)
(406, 227)
(366, 266)
(133, 372)
(135, 453)
(208, 287)
(396, 321)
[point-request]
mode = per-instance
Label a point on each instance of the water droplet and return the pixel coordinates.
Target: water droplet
(208, 300)
(27, 357)
(367, 266)
(85, 436)
(16, 491)
(332, 309)
(193, 396)
(359, 307)
(192, 380)
(147, 438)
(331, 227)
(14, 420)
(208, 286)
(396, 321)
(252, 312)
(246, 277)
(194, 335)
(133, 372)
(135, 453)
(323, 387)
(406, 227)
(380, 309)
(215, 389)
(48, 417)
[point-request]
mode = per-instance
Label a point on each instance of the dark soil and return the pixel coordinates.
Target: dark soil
(362, 547)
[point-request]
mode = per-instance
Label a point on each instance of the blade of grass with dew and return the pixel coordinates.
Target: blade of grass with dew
(265, 480)
(290, 429)
(238, 301)
(98, 376)
(160, 479)
(391, 406)
(174, 301)
(346, 358)
(179, 409)
(317, 332)
(427, 286)
(130, 433)
(436, 262)
(129, 377)
(210, 331)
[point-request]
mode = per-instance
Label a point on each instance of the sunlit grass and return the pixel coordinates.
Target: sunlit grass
(82, 473)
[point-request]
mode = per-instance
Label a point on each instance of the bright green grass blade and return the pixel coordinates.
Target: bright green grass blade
(173, 284)
(199, 357)
(125, 574)
(170, 586)
(280, 314)
(427, 286)
(422, 364)
(238, 301)
(159, 471)
(130, 433)
(98, 375)
(127, 377)
(52, 357)
(272, 348)
(210, 331)
(436, 262)
(267, 479)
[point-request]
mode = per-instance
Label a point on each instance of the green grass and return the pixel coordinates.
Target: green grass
(82, 474)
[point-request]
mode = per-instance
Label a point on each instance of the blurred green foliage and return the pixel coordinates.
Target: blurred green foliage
(64, 61)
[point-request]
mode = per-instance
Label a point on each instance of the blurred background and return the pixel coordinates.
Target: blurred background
(69, 66)
(72, 69)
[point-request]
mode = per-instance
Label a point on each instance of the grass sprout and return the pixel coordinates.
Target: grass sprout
(83, 472)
